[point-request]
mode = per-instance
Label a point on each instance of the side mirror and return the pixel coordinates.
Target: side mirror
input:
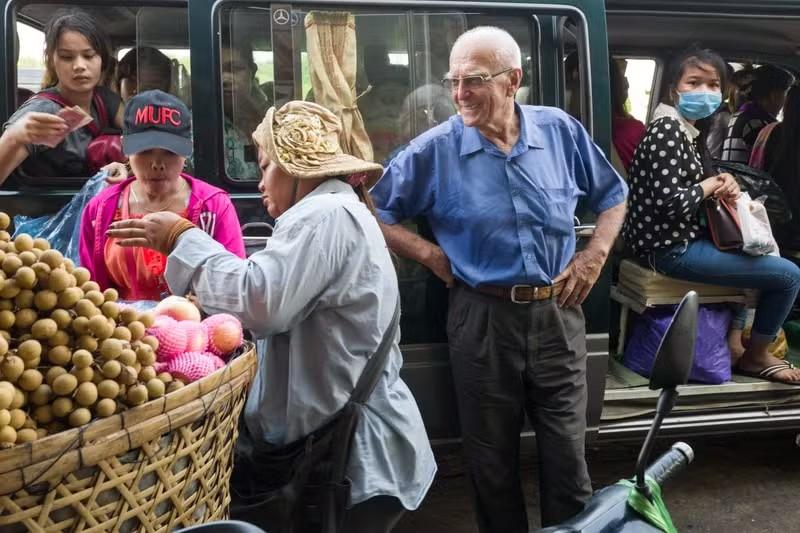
(671, 368)
(675, 355)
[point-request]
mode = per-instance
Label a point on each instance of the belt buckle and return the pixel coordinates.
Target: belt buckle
(514, 293)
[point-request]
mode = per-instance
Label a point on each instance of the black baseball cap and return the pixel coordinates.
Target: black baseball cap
(155, 119)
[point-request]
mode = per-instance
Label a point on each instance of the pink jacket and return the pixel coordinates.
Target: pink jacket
(209, 208)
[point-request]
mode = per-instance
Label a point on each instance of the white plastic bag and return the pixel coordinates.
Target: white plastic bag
(756, 232)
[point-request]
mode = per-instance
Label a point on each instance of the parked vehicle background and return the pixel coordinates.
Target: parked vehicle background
(402, 53)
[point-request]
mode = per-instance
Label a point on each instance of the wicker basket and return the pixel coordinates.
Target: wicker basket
(154, 468)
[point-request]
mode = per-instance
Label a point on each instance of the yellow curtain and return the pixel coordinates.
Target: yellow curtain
(331, 42)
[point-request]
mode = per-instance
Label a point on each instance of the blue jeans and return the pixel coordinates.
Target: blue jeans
(778, 279)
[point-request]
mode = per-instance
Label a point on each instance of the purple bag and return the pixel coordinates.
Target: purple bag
(712, 359)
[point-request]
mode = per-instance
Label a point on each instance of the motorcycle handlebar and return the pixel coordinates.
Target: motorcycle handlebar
(671, 463)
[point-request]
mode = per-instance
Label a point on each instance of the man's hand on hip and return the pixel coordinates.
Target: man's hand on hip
(439, 264)
(579, 277)
(410, 245)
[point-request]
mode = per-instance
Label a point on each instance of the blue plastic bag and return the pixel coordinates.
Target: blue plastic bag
(712, 358)
(63, 230)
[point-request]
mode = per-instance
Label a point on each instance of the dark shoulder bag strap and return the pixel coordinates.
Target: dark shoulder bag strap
(53, 97)
(92, 127)
(375, 365)
(335, 497)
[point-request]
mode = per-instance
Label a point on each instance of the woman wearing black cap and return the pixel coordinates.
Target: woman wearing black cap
(157, 136)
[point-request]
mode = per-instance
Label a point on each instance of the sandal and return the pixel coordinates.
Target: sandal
(770, 373)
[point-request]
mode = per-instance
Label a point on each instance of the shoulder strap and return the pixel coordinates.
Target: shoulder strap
(53, 97)
(100, 107)
(93, 127)
(375, 365)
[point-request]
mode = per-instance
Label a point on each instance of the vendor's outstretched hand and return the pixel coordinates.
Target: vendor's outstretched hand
(151, 231)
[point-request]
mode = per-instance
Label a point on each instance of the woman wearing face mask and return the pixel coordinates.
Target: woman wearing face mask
(670, 176)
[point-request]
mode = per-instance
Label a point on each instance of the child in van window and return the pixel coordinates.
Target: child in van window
(78, 57)
(142, 69)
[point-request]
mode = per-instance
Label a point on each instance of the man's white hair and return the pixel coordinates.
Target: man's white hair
(505, 48)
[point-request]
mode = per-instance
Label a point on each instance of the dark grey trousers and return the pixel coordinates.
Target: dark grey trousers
(508, 360)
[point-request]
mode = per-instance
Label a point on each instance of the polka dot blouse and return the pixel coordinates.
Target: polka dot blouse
(665, 192)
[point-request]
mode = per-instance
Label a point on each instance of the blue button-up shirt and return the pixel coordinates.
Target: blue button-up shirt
(501, 218)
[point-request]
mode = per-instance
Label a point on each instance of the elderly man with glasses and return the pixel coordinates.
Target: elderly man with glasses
(499, 184)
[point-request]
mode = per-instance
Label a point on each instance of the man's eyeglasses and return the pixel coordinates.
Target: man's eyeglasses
(472, 82)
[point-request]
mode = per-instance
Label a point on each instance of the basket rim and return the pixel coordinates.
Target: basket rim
(66, 442)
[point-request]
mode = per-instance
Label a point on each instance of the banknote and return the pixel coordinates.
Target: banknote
(75, 117)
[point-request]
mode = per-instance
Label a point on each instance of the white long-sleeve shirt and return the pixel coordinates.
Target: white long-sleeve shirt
(320, 295)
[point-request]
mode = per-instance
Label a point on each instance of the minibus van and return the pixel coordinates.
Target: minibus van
(402, 49)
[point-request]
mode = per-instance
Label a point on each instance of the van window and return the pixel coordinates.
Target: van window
(640, 73)
(152, 31)
(30, 63)
(575, 98)
(400, 59)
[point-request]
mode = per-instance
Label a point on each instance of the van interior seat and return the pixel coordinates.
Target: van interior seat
(639, 288)
(652, 288)
(23, 95)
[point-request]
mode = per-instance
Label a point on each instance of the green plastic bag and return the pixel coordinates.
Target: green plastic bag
(655, 512)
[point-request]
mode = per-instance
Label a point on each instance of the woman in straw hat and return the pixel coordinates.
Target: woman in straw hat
(322, 294)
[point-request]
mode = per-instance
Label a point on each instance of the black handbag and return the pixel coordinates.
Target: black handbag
(302, 486)
(758, 183)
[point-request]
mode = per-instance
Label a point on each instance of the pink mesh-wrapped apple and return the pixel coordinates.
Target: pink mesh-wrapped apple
(164, 321)
(224, 333)
(196, 336)
(191, 366)
(178, 308)
(172, 339)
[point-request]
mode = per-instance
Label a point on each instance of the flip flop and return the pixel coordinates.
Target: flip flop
(770, 373)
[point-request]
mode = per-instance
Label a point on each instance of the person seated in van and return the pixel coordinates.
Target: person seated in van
(670, 177)
(780, 157)
(626, 131)
(767, 95)
(244, 104)
(572, 85)
(430, 103)
(143, 68)
(35, 138)
(157, 136)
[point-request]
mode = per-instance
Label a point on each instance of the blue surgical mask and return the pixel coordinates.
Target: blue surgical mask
(696, 105)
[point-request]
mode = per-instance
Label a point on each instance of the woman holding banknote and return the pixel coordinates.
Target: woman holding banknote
(45, 136)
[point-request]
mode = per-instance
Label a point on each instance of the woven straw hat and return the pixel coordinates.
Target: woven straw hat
(302, 138)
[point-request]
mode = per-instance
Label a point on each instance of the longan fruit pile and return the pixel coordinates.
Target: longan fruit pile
(69, 353)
